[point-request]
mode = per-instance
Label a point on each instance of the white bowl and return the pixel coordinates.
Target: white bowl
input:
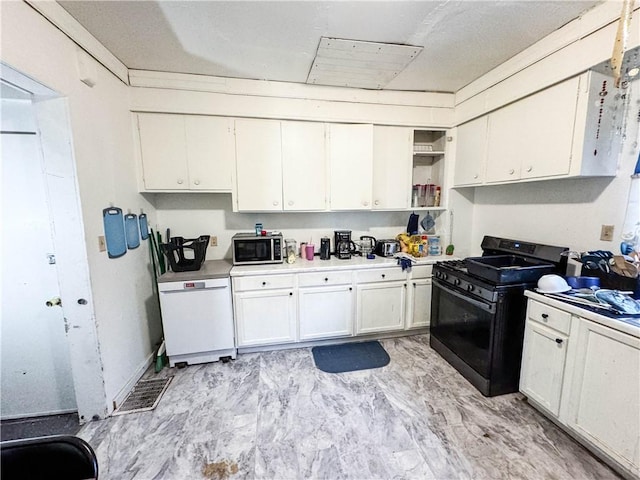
(552, 284)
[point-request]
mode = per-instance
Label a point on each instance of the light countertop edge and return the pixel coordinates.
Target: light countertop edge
(317, 265)
(618, 325)
(210, 269)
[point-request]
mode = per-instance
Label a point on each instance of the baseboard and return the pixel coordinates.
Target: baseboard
(34, 415)
(124, 391)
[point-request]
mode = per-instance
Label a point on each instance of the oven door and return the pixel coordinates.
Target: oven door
(464, 325)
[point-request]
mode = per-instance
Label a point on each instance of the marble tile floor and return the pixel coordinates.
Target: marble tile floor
(274, 415)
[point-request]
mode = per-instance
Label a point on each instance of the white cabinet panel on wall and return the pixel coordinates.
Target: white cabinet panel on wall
(186, 152)
(471, 152)
(304, 166)
(258, 165)
(419, 303)
(533, 136)
(605, 391)
(392, 152)
(351, 164)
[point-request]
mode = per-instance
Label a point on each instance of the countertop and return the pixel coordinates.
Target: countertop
(317, 265)
(620, 325)
(209, 269)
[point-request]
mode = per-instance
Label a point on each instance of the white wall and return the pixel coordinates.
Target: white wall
(125, 312)
(191, 215)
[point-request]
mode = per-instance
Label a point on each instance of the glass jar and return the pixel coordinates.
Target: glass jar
(291, 249)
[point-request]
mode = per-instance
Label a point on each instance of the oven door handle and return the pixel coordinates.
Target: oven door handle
(484, 306)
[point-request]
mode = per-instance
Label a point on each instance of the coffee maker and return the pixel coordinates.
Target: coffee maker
(343, 244)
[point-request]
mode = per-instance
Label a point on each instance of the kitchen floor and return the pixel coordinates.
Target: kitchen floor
(274, 415)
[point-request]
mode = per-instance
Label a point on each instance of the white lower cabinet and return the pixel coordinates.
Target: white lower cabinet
(605, 392)
(308, 306)
(586, 376)
(419, 303)
(380, 306)
(264, 316)
(325, 312)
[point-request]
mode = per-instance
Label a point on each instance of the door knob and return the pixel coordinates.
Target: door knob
(196, 182)
(180, 181)
(54, 301)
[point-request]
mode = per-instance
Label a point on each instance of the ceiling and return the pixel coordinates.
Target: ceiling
(278, 40)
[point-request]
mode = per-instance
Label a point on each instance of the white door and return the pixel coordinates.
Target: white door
(471, 152)
(211, 152)
(325, 311)
(419, 303)
(265, 317)
(36, 369)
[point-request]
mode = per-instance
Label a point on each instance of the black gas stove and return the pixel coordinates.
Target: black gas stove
(478, 309)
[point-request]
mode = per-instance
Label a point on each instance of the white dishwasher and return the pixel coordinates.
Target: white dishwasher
(197, 314)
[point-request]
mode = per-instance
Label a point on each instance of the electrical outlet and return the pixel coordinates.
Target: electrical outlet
(606, 233)
(102, 245)
(214, 241)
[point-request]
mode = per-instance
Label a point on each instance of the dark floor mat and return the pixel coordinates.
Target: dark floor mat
(31, 427)
(349, 357)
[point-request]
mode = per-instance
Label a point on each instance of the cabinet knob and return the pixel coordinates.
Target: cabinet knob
(377, 202)
(180, 181)
(529, 168)
(414, 285)
(558, 341)
(475, 176)
(290, 202)
(545, 316)
(365, 203)
(512, 171)
(350, 288)
(383, 275)
(326, 279)
(290, 293)
(196, 182)
(264, 283)
(275, 203)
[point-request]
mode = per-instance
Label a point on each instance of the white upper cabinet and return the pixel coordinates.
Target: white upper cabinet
(186, 152)
(258, 165)
(211, 152)
(304, 174)
(392, 152)
(533, 137)
(471, 152)
(566, 130)
(351, 162)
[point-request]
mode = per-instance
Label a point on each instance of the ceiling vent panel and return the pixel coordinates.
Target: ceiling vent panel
(357, 64)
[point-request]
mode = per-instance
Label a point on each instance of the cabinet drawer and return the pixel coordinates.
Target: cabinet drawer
(266, 282)
(550, 316)
(421, 271)
(380, 275)
(324, 278)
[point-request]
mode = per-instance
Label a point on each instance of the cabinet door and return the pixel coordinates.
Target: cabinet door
(604, 396)
(392, 155)
(211, 152)
(351, 163)
(265, 317)
(471, 152)
(325, 312)
(533, 136)
(258, 165)
(304, 174)
(163, 151)
(419, 303)
(543, 361)
(380, 307)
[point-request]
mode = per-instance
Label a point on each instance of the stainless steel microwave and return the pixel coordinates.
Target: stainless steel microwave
(251, 249)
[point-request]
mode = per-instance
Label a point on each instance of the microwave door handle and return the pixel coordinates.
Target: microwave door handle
(476, 303)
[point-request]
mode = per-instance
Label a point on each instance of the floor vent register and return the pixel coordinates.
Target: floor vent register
(145, 396)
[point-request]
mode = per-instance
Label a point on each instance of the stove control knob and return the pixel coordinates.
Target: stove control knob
(470, 288)
(444, 276)
(456, 281)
